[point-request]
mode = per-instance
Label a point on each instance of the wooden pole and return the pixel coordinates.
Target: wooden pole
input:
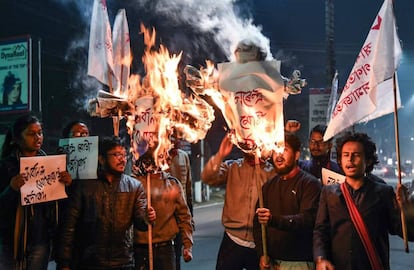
(150, 253)
(115, 124)
(115, 119)
(261, 205)
(397, 146)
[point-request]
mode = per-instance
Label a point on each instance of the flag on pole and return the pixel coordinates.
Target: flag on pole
(100, 60)
(122, 51)
(333, 98)
(368, 92)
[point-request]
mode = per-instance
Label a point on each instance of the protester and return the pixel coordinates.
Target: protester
(75, 129)
(252, 85)
(173, 217)
(180, 168)
(237, 249)
(26, 232)
(290, 202)
(320, 154)
(101, 213)
(340, 241)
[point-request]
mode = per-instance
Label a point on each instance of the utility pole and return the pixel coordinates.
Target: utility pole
(330, 37)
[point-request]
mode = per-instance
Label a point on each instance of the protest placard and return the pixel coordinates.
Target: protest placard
(330, 177)
(41, 175)
(82, 162)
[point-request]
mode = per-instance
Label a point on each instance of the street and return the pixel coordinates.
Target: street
(207, 237)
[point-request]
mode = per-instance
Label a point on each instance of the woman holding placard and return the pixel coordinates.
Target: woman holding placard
(25, 231)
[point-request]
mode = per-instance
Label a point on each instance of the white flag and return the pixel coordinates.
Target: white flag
(122, 51)
(368, 92)
(100, 60)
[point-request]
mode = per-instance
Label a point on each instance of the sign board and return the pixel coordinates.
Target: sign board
(82, 154)
(15, 75)
(41, 175)
(330, 177)
(318, 105)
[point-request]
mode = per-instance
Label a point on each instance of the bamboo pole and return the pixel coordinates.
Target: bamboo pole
(115, 123)
(261, 205)
(150, 253)
(397, 146)
(115, 119)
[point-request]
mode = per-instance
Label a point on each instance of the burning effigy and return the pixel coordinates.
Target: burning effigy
(249, 93)
(161, 109)
(154, 105)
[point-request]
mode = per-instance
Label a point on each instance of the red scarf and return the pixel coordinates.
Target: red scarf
(362, 230)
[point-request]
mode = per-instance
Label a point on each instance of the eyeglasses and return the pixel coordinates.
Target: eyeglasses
(315, 142)
(118, 155)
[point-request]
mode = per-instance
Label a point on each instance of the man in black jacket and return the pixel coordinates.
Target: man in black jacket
(101, 213)
(337, 244)
(290, 203)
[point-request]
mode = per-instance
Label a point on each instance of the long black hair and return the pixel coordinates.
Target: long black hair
(8, 84)
(14, 134)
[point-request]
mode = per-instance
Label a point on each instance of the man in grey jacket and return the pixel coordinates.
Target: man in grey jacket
(237, 249)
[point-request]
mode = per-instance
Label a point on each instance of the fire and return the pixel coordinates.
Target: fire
(161, 107)
(250, 97)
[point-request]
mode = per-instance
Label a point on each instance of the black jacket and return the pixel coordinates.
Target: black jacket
(335, 237)
(96, 232)
(293, 204)
(38, 219)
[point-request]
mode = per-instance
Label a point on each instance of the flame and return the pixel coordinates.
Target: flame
(253, 128)
(261, 140)
(188, 118)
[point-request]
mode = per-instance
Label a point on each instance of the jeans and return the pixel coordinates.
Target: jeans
(288, 265)
(6, 257)
(38, 257)
(163, 258)
(235, 257)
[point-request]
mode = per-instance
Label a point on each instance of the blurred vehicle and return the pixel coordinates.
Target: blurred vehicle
(389, 171)
(411, 191)
(407, 169)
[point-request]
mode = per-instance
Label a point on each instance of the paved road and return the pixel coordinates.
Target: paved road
(207, 237)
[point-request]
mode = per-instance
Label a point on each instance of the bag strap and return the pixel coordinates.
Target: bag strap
(361, 229)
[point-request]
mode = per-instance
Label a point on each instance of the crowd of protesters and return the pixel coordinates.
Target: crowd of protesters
(276, 215)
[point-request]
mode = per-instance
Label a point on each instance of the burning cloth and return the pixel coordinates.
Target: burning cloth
(107, 105)
(253, 93)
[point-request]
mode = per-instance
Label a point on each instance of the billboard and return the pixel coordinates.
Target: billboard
(318, 104)
(15, 75)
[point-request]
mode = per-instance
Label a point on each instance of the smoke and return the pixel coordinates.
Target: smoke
(220, 19)
(200, 29)
(225, 22)
(82, 86)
